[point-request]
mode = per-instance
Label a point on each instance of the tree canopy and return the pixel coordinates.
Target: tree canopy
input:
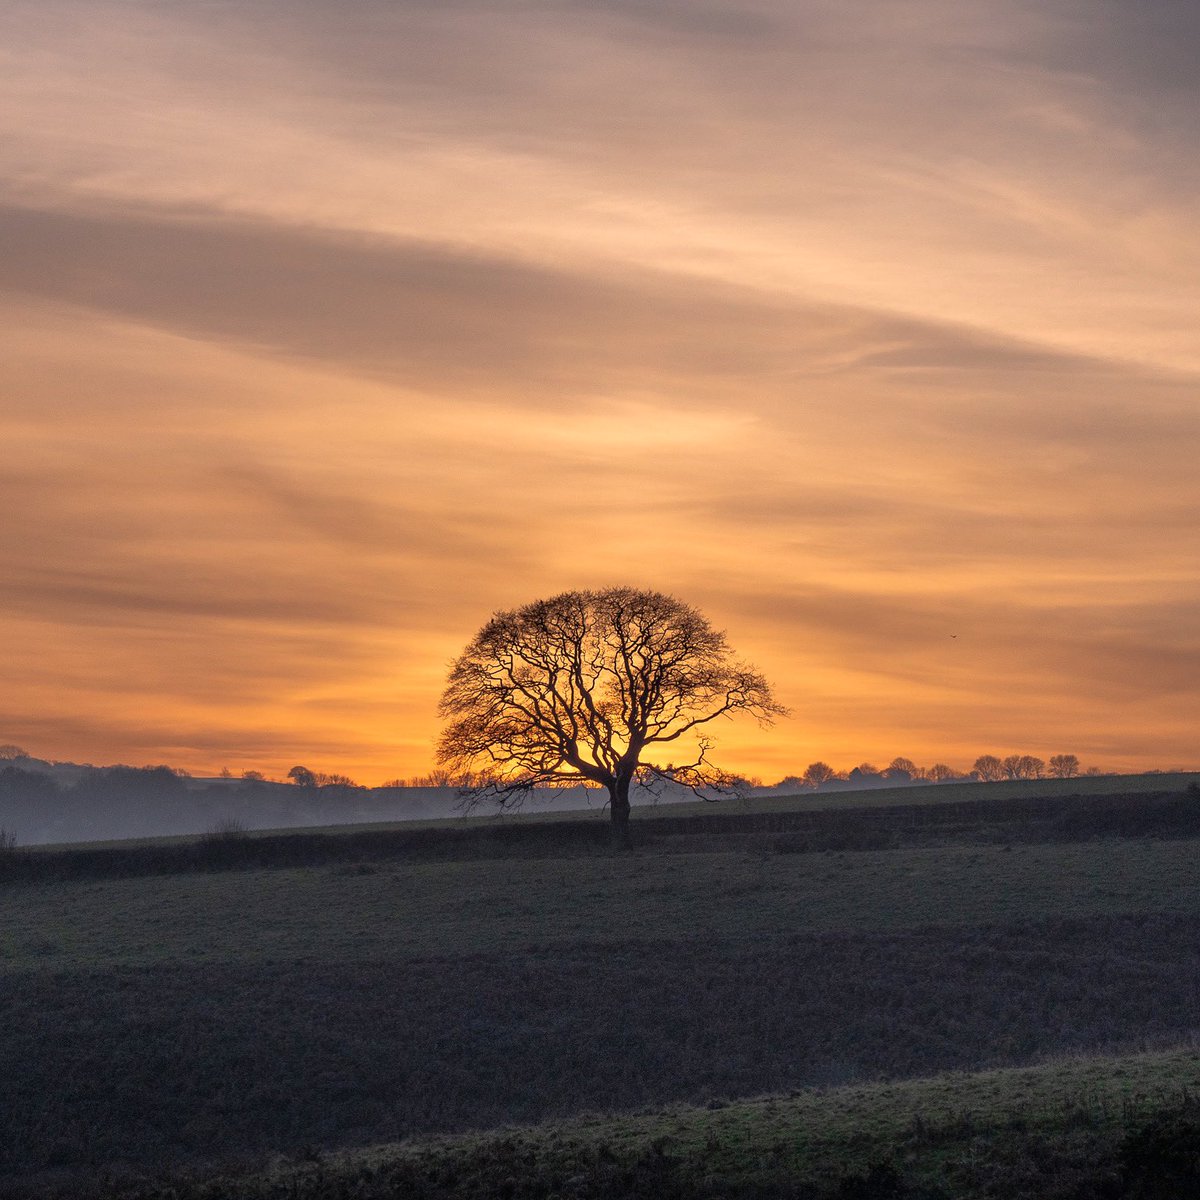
(595, 687)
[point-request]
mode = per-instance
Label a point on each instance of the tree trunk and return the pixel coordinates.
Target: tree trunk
(618, 811)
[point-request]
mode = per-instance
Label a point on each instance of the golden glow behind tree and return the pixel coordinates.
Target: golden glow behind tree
(595, 687)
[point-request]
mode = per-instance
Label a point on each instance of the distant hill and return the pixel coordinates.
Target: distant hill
(43, 802)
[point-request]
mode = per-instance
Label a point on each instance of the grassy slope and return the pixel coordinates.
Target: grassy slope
(947, 793)
(968, 1133)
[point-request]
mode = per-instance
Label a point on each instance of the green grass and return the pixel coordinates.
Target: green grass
(826, 1130)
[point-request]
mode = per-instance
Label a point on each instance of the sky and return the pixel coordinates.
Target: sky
(329, 329)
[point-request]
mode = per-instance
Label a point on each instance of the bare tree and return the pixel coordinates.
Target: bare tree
(864, 771)
(902, 770)
(940, 773)
(989, 768)
(1032, 767)
(333, 781)
(1022, 766)
(1064, 766)
(817, 773)
(9, 751)
(1011, 766)
(437, 778)
(592, 687)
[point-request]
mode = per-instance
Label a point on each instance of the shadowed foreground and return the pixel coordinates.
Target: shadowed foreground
(159, 1022)
(149, 1065)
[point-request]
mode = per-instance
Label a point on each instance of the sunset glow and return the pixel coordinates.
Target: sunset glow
(870, 330)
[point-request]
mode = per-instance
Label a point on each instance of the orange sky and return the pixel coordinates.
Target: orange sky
(330, 329)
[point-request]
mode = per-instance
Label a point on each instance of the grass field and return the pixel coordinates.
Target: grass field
(195, 1017)
(953, 793)
(399, 911)
(1004, 1133)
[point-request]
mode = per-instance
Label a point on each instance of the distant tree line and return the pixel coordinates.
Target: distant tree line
(48, 801)
(44, 801)
(987, 768)
(440, 777)
(303, 777)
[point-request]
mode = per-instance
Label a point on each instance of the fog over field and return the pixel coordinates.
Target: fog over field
(45, 803)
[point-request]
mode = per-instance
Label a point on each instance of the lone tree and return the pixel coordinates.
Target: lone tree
(593, 687)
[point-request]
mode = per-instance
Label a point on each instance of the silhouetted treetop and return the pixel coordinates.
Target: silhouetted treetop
(1064, 766)
(989, 768)
(817, 773)
(595, 687)
(902, 770)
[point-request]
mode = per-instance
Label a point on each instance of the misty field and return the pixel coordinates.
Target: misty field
(167, 1019)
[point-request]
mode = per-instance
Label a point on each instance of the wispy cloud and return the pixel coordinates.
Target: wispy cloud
(332, 329)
